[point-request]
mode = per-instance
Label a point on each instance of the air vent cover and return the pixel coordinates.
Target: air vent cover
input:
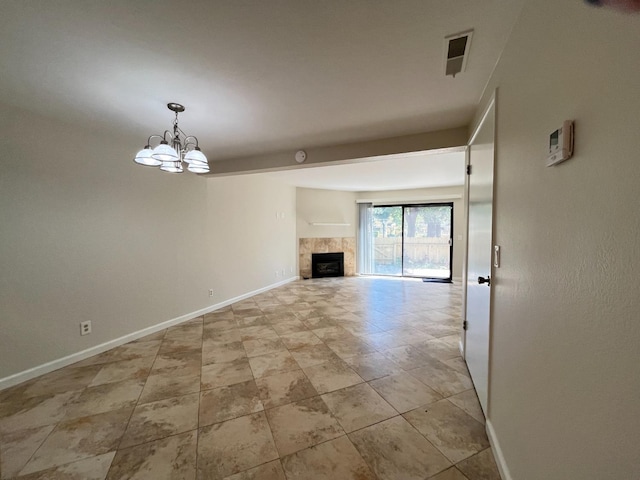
(456, 52)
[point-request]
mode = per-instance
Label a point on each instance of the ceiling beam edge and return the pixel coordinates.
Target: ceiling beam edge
(346, 153)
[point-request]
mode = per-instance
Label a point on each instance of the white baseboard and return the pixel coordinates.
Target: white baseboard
(25, 375)
(497, 452)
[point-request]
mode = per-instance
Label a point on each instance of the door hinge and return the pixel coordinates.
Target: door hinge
(464, 325)
(468, 169)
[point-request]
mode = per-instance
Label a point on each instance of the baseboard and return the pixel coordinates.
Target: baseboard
(497, 452)
(25, 375)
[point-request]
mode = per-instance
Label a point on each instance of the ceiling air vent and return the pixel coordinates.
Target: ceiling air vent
(456, 50)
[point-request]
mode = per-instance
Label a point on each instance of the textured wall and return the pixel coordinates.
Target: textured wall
(564, 377)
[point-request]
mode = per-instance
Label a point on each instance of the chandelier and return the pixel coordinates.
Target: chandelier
(173, 149)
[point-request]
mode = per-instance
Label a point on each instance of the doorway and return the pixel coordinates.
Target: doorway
(413, 240)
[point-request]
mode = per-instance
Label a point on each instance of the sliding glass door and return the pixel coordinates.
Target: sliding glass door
(427, 248)
(412, 240)
(387, 240)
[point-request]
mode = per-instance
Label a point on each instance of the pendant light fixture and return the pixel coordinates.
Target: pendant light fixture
(173, 149)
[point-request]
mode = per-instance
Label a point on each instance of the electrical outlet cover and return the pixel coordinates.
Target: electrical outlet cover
(85, 328)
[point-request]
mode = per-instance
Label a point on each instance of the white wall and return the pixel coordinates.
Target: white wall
(565, 357)
(88, 235)
(326, 206)
(431, 195)
(251, 233)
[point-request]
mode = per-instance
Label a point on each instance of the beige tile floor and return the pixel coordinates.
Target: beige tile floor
(350, 378)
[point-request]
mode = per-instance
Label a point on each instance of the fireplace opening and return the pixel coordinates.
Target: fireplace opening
(327, 265)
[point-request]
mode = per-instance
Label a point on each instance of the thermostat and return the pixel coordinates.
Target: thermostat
(301, 156)
(560, 144)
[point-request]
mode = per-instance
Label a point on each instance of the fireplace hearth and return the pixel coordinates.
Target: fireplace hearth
(327, 265)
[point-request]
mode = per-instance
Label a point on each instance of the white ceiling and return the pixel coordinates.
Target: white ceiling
(256, 76)
(393, 172)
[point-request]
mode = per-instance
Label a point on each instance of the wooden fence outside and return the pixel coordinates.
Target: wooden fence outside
(419, 251)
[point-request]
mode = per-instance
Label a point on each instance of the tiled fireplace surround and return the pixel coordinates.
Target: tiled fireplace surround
(308, 246)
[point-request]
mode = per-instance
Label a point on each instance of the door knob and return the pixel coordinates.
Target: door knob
(482, 280)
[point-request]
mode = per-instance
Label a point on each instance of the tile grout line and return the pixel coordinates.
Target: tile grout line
(199, 400)
(136, 404)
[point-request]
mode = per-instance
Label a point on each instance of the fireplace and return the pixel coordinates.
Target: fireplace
(327, 265)
(346, 245)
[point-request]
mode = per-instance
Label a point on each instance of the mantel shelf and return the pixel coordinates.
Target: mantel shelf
(329, 224)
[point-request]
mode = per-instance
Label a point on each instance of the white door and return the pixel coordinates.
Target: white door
(480, 195)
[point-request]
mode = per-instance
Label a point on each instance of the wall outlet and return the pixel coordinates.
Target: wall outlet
(290, 269)
(284, 272)
(85, 327)
(277, 273)
(211, 292)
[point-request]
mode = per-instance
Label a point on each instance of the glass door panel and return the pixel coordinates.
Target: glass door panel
(387, 240)
(427, 247)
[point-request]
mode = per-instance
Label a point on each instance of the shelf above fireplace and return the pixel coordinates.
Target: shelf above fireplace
(329, 224)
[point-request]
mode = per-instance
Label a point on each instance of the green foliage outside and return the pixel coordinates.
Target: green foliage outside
(420, 221)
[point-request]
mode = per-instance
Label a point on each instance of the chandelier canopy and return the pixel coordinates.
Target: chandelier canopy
(173, 149)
